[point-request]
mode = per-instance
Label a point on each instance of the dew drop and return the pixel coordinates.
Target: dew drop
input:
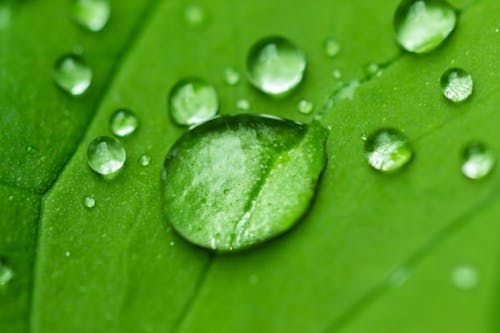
(89, 201)
(6, 273)
(477, 160)
(191, 101)
(332, 47)
(194, 15)
(67, 253)
(123, 122)
(337, 74)
(456, 85)
(372, 70)
(243, 104)
(465, 277)
(275, 65)
(305, 107)
(231, 76)
(422, 25)
(106, 155)
(172, 243)
(72, 75)
(92, 14)
(388, 150)
(145, 160)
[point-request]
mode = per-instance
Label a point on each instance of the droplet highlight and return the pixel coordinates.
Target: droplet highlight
(478, 160)
(92, 14)
(72, 75)
(388, 150)
(191, 101)
(275, 65)
(456, 85)
(106, 155)
(423, 25)
(123, 122)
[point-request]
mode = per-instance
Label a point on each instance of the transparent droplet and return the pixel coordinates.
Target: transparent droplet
(337, 74)
(275, 65)
(231, 76)
(6, 273)
(477, 160)
(106, 155)
(67, 253)
(422, 25)
(194, 15)
(191, 101)
(123, 122)
(388, 150)
(92, 14)
(72, 75)
(145, 160)
(456, 84)
(172, 243)
(89, 201)
(332, 47)
(465, 277)
(243, 104)
(305, 107)
(372, 70)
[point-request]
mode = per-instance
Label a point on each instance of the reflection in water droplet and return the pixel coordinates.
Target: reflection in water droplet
(305, 107)
(332, 47)
(72, 75)
(6, 272)
(422, 25)
(145, 160)
(231, 76)
(89, 201)
(106, 155)
(477, 160)
(388, 150)
(456, 85)
(465, 277)
(123, 122)
(243, 104)
(275, 65)
(92, 14)
(194, 15)
(191, 101)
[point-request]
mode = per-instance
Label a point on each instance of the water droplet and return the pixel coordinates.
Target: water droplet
(347, 91)
(456, 84)
(72, 75)
(364, 137)
(337, 74)
(253, 279)
(243, 104)
(332, 47)
(89, 201)
(67, 253)
(465, 277)
(275, 65)
(305, 107)
(92, 14)
(191, 101)
(422, 25)
(372, 70)
(106, 155)
(123, 122)
(388, 150)
(172, 243)
(231, 76)
(145, 160)
(6, 272)
(194, 15)
(5, 14)
(477, 160)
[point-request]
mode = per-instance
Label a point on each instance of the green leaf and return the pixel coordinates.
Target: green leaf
(236, 181)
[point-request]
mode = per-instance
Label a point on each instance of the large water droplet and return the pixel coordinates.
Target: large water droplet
(89, 201)
(332, 47)
(192, 101)
(422, 25)
(456, 84)
(231, 76)
(123, 122)
(92, 14)
(106, 155)
(477, 160)
(465, 277)
(275, 65)
(6, 272)
(72, 75)
(388, 150)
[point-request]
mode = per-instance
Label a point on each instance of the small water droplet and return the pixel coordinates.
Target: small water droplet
(5, 14)
(388, 150)
(172, 243)
(78, 49)
(305, 107)
(253, 279)
(372, 70)
(243, 104)
(231, 76)
(422, 25)
(364, 137)
(92, 14)
(191, 101)
(337, 74)
(477, 160)
(347, 91)
(106, 155)
(332, 47)
(194, 15)
(275, 65)
(145, 160)
(399, 276)
(456, 84)
(89, 201)
(6, 273)
(465, 277)
(67, 253)
(72, 75)
(123, 122)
